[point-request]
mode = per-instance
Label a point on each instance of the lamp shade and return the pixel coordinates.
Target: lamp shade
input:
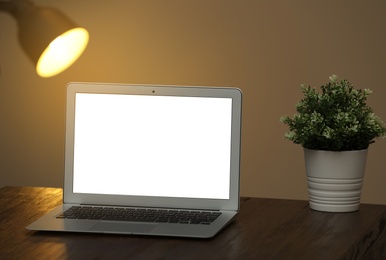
(50, 39)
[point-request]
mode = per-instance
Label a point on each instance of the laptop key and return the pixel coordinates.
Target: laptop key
(162, 220)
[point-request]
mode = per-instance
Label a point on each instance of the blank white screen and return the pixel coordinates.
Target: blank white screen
(152, 145)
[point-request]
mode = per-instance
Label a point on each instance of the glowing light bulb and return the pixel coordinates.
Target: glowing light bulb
(62, 52)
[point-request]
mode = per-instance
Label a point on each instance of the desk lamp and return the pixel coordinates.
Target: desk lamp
(50, 39)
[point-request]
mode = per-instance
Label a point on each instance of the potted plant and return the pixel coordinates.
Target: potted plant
(335, 128)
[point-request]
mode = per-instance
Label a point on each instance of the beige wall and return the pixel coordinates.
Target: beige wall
(266, 48)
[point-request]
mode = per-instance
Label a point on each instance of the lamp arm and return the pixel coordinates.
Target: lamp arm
(15, 7)
(6, 6)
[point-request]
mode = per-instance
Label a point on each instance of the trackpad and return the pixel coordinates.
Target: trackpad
(122, 227)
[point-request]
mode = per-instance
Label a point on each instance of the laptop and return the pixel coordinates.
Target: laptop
(149, 160)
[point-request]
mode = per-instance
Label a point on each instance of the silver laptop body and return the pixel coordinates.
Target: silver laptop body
(150, 148)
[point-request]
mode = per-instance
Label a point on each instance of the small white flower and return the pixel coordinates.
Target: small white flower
(333, 78)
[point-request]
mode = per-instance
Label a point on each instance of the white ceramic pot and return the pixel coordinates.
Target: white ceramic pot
(335, 179)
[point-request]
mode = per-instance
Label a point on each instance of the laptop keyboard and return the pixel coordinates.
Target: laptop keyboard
(140, 215)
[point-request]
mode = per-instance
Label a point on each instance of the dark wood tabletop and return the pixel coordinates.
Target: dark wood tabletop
(264, 229)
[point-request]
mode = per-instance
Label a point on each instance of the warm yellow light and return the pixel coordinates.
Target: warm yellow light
(62, 52)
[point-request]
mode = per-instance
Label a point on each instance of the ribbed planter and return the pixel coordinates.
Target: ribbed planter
(335, 179)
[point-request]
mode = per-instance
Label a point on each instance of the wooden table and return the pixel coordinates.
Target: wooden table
(264, 229)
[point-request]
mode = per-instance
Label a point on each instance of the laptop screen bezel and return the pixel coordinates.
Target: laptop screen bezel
(149, 201)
